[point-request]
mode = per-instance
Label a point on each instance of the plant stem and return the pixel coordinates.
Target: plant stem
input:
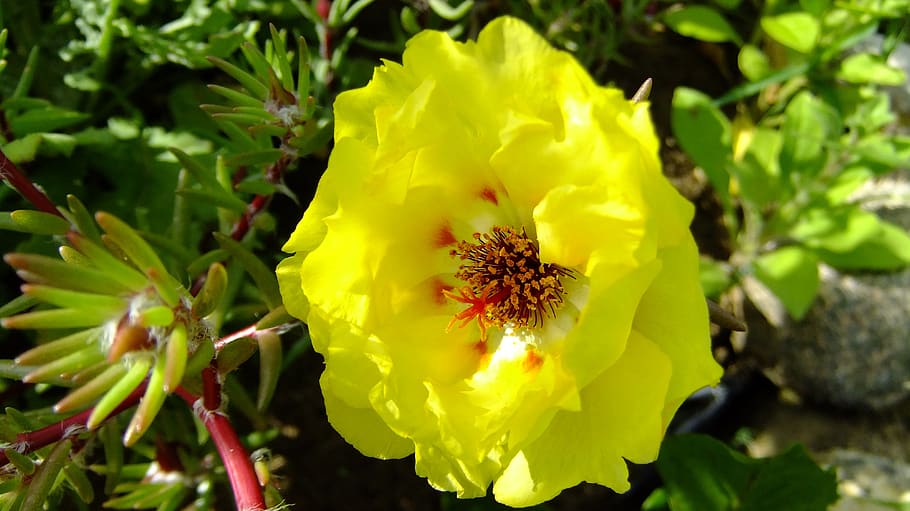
(31, 441)
(12, 175)
(247, 492)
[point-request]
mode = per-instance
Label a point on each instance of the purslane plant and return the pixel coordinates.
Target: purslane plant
(499, 278)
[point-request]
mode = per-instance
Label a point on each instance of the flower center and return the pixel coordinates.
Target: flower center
(506, 282)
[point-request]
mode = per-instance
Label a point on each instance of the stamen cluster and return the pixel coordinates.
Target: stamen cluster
(506, 281)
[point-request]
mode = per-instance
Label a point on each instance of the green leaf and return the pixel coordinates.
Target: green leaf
(714, 276)
(251, 83)
(791, 273)
(836, 230)
(753, 62)
(888, 250)
(120, 391)
(815, 7)
(795, 30)
(808, 126)
(23, 149)
(50, 351)
(237, 97)
(261, 157)
(270, 356)
(758, 172)
(44, 120)
(704, 132)
(79, 482)
(867, 68)
(47, 270)
(34, 222)
(208, 298)
(703, 23)
(443, 9)
(702, 474)
(262, 275)
(43, 482)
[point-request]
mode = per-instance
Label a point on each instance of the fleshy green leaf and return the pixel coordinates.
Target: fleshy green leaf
(35, 222)
(262, 275)
(270, 355)
(41, 485)
(208, 298)
(791, 273)
(256, 87)
(119, 391)
(702, 474)
(703, 23)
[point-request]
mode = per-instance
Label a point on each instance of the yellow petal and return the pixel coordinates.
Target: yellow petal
(674, 314)
(620, 417)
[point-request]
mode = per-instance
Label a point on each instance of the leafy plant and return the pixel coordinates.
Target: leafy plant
(818, 127)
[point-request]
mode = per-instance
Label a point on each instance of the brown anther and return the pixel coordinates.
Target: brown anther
(506, 281)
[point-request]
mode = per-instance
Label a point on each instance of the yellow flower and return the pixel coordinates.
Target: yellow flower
(499, 277)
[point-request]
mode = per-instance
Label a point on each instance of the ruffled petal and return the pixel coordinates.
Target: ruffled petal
(620, 417)
(673, 313)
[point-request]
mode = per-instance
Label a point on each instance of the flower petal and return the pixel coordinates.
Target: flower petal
(674, 314)
(620, 417)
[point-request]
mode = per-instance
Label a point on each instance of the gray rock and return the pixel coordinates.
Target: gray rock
(852, 349)
(867, 482)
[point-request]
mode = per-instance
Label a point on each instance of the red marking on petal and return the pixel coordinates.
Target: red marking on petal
(439, 289)
(480, 347)
(489, 194)
(532, 361)
(444, 236)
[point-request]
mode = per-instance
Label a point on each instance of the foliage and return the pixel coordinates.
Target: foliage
(158, 260)
(812, 125)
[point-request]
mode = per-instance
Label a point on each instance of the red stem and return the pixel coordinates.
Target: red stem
(34, 440)
(237, 464)
(16, 178)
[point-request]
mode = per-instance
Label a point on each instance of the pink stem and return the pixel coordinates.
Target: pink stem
(16, 178)
(237, 464)
(34, 440)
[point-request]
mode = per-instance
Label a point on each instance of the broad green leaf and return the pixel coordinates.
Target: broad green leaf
(882, 153)
(808, 126)
(888, 250)
(758, 172)
(702, 474)
(836, 230)
(791, 273)
(702, 23)
(846, 182)
(815, 7)
(867, 68)
(704, 133)
(753, 62)
(796, 30)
